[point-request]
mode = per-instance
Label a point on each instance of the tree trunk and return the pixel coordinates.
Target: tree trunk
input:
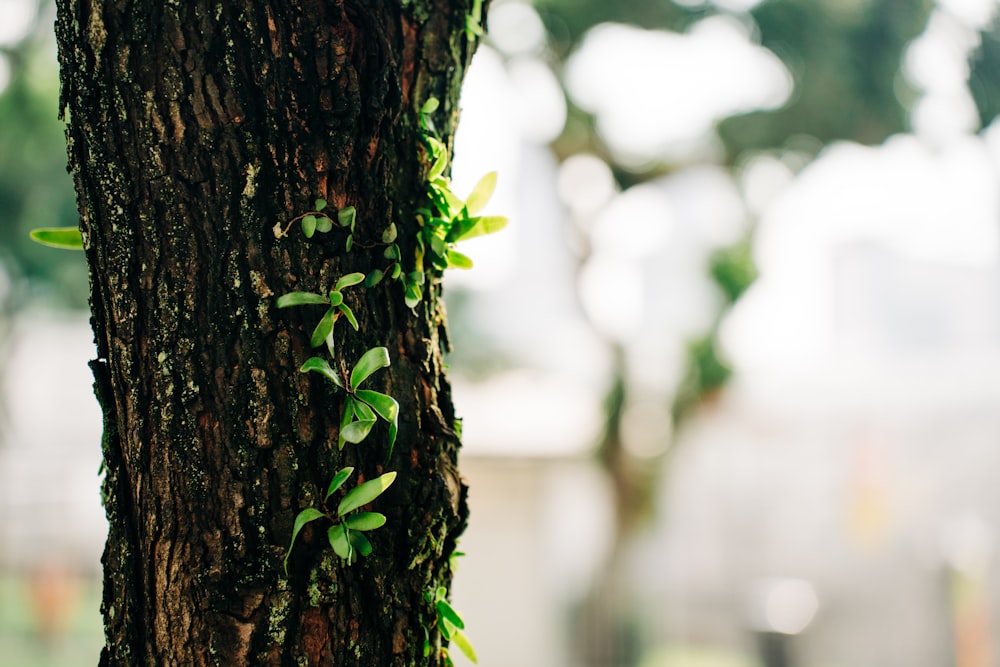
(194, 129)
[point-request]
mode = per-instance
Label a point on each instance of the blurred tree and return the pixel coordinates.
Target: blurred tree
(193, 128)
(844, 58)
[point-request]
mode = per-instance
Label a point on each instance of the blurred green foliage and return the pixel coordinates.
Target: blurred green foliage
(567, 21)
(35, 190)
(733, 269)
(705, 372)
(984, 78)
(844, 57)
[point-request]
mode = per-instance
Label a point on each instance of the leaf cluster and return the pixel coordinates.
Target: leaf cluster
(361, 405)
(337, 308)
(362, 409)
(447, 219)
(347, 529)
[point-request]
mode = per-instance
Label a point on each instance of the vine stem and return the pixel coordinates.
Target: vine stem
(280, 233)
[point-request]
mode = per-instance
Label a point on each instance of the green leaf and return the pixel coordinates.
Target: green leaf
(436, 191)
(374, 278)
(465, 646)
(447, 612)
(365, 493)
(304, 517)
(392, 252)
(446, 628)
(363, 411)
(387, 408)
(68, 238)
(349, 314)
(359, 542)
(349, 280)
(413, 295)
(301, 299)
(365, 521)
(309, 226)
(454, 203)
(457, 260)
(323, 329)
(349, 243)
(440, 164)
(487, 224)
(460, 227)
(438, 246)
(370, 361)
(338, 481)
(323, 224)
(416, 277)
(472, 28)
(396, 271)
(481, 194)
(346, 417)
(338, 540)
(437, 148)
(389, 235)
(336, 298)
(320, 204)
(430, 106)
(346, 216)
(357, 431)
(322, 366)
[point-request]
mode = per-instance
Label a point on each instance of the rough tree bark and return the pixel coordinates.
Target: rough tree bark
(193, 128)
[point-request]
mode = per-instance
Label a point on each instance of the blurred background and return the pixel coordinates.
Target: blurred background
(730, 380)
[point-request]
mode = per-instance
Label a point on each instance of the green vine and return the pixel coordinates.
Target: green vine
(441, 223)
(362, 409)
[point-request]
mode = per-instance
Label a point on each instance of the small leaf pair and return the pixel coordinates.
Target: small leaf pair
(346, 538)
(316, 221)
(319, 221)
(429, 107)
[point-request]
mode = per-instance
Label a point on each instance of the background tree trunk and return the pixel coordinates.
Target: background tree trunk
(195, 127)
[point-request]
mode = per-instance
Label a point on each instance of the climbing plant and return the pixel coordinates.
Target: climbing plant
(443, 221)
